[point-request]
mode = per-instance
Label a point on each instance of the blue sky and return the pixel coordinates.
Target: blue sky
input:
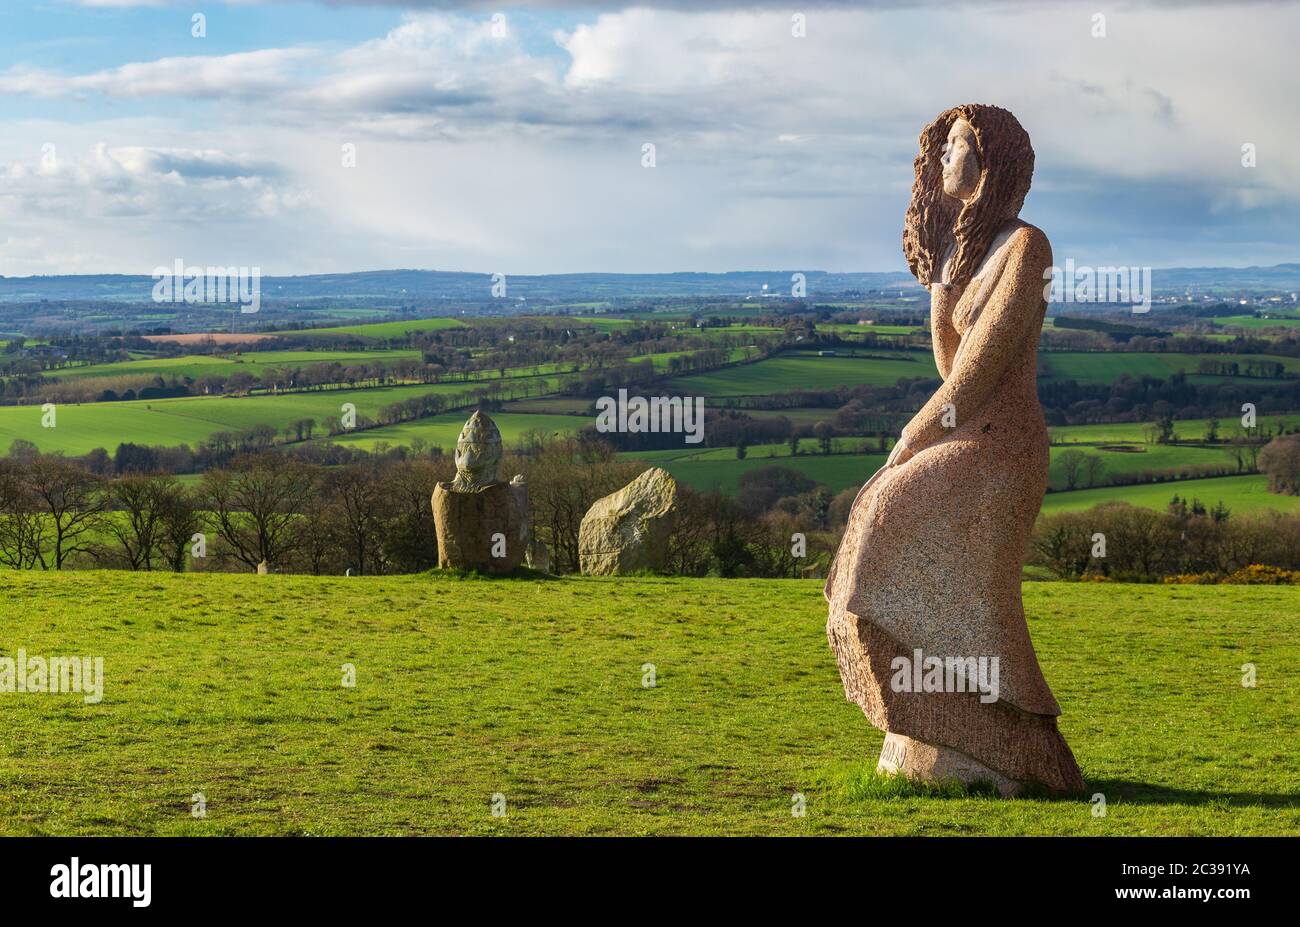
(516, 145)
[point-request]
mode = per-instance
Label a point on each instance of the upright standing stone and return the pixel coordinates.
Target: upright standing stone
(481, 521)
(629, 530)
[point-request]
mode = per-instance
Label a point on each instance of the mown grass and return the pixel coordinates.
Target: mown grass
(230, 686)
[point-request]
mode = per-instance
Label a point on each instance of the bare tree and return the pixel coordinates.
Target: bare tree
(255, 506)
(137, 523)
(361, 499)
(24, 531)
(563, 482)
(1072, 464)
(181, 520)
(74, 501)
(1280, 459)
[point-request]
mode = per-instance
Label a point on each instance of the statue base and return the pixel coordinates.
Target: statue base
(480, 529)
(917, 759)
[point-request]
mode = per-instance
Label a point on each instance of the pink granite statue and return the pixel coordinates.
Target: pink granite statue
(925, 618)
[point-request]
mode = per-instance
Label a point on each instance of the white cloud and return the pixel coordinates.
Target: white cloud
(482, 152)
(243, 74)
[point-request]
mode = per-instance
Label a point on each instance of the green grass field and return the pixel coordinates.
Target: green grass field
(1143, 457)
(254, 362)
(720, 471)
(794, 370)
(82, 427)
(844, 329)
(807, 371)
(718, 468)
(1250, 321)
(1184, 429)
(442, 430)
(1099, 367)
(1241, 494)
(230, 686)
(386, 329)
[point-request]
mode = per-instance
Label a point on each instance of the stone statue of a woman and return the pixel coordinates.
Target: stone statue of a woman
(931, 558)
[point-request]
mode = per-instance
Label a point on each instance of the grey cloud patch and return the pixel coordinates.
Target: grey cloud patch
(166, 183)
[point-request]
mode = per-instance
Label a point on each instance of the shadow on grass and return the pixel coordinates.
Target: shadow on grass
(1146, 793)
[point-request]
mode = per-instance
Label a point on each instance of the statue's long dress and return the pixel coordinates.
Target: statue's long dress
(933, 551)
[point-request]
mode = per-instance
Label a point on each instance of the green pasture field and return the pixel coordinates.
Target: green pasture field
(1107, 367)
(718, 468)
(603, 323)
(798, 416)
(836, 471)
(230, 686)
(82, 427)
(200, 365)
(1142, 457)
(1241, 494)
(384, 329)
(845, 328)
(808, 371)
(1250, 321)
(442, 430)
(1184, 430)
(552, 405)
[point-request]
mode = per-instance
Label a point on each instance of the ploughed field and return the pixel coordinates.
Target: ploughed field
(230, 686)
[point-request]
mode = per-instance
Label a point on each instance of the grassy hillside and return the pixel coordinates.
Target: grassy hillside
(1241, 494)
(719, 470)
(229, 686)
(1095, 367)
(442, 430)
(807, 370)
(1184, 429)
(82, 427)
(388, 329)
(253, 362)
(1117, 460)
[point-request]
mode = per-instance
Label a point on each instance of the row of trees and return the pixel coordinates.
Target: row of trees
(372, 516)
(1125, 542)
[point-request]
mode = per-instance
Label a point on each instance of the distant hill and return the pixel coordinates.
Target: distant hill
(423, 285)
(406, 286)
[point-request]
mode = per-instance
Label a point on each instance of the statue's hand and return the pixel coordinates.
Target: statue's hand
(901, 454)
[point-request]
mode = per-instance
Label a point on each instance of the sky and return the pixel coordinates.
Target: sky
(323, 137)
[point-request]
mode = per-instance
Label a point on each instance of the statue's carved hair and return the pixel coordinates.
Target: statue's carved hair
(935, 219)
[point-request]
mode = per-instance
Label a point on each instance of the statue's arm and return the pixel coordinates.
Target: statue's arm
(943, 335)
(1001, 334)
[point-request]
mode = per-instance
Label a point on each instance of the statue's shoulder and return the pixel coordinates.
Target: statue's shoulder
(1031, 242)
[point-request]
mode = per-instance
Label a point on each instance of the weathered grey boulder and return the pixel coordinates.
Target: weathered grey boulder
(629, 530)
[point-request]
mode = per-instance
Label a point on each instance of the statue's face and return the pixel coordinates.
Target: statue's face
(961, 162)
